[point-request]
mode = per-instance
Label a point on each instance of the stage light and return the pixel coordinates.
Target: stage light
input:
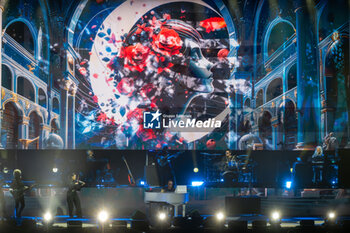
(288, 184)
(220, 216)
(276, 216)
(164, 222)
(197, 183)
(55, 170)
(103, 216)
(331, 215)
(161, 216)
(195, 170)
(142, 182)
(275, 220)
(47, 217)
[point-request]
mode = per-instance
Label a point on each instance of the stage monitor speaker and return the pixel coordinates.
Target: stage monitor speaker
(259, 224)
(119, 224)
(307, 223)
(74, 224)
(195, 219)
(138, 215)
(238, 225)
(139, 225)
(28, 223)
(151, 175)
(344, 171)
(242, 205)
(180, 222)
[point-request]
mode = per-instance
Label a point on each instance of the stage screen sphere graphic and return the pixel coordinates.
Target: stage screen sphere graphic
(168, 57)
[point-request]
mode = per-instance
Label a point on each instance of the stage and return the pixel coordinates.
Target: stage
(256, 223)
(122, 202)
(170, 115)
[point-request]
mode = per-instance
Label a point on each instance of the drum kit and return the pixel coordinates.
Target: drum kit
(238, 169)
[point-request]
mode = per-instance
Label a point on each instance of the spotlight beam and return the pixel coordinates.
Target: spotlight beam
(161, 216)
(47, 219)
(220, 216)
(103, 216)
(275, 219)
(331, 217)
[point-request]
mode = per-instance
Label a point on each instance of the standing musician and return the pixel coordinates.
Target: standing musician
(2, 196)
(318, 163)
(17, 190)
(73, 200)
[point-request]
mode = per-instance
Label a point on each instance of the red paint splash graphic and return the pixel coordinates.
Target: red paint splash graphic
(95, 99)
(83, 71)
(167, 42)
(145, 134)
(140, 67)
(136, 114)
(102, 117)
(223, 53)
(136, 56)
(126, 86)
(212, 24)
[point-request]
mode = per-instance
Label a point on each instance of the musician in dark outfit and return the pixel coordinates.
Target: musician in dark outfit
(72, 196)
(18, 189)
(170, 188)
(2, 197)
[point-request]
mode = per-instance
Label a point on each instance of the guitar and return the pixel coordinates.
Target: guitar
(130, 176)
(80, 183)
(16, 193)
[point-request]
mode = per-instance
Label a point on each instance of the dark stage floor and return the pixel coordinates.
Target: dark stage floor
(35, 224)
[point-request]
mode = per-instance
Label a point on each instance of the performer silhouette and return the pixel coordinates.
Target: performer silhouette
(73, 199)
(2, 196)
(17, 190)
